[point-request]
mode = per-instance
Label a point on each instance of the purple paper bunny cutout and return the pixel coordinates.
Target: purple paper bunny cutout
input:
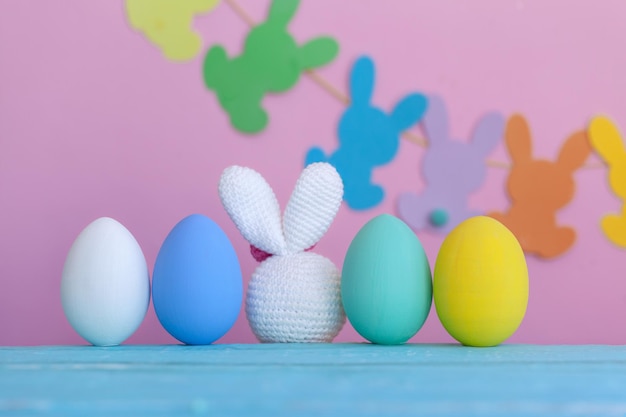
(452, 170)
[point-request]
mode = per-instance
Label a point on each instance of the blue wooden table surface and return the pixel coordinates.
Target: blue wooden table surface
(320, 379)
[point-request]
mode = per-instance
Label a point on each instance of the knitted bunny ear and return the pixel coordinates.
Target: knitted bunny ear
(252, 206)
(312, 206)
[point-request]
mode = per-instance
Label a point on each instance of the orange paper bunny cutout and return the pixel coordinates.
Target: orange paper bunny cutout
(538, 188)
(608, 143)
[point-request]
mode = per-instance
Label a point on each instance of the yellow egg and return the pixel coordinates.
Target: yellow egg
(480, 283)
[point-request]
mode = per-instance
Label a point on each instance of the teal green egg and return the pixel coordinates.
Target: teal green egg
(386, 283)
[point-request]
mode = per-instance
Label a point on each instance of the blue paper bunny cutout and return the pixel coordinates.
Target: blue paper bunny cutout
(368, 137)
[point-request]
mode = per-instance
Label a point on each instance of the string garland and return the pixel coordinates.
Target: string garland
(369, 136)
(345, 100)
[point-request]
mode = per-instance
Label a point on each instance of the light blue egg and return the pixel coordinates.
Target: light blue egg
(197, 288)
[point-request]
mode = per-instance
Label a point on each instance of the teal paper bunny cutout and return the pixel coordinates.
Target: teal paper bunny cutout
(271, 62)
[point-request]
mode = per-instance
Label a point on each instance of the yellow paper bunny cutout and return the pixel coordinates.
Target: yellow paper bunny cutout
(607, 141)
(167, 24)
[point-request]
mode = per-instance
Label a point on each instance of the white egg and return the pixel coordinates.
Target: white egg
(105, 288)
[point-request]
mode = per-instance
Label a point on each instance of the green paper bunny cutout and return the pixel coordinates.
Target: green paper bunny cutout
(271, 62)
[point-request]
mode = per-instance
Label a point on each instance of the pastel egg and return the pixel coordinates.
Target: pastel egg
(105, 286)
(386, 284)
(481, 282)
(197, 288)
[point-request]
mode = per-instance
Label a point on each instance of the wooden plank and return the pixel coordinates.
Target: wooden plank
(320, 379)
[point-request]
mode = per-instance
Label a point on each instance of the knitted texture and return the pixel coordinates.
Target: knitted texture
(312, 206)
(252, 206)
(295, 298)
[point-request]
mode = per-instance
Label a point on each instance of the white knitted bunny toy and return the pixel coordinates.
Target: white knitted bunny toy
(294, 295)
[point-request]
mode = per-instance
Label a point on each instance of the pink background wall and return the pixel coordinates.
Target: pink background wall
(95, 122)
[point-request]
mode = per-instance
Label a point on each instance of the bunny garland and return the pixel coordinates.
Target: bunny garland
(271, 62)
(453, 170)
(294, 295)
(539, 188)
(368, 137)
(241, 83)
(608, 143)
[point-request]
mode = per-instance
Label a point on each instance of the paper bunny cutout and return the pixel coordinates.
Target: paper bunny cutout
(293, 295)
(271, 62)
(368, 137)
(538, 188)
(608, 143)
(452, 169)
(168, 24)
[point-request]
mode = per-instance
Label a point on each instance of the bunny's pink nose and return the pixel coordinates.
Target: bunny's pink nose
(260, 255)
